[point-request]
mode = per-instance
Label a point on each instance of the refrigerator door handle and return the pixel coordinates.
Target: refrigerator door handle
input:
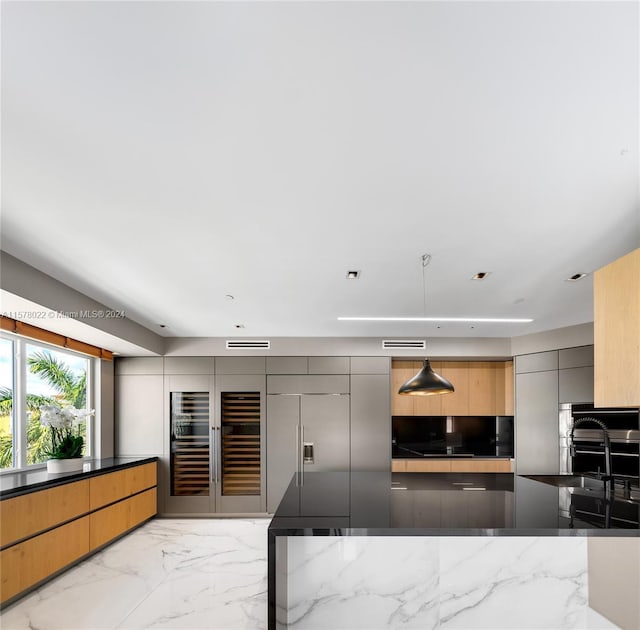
(297, 454)
(301, 451)
(218, 455)
(213, 455)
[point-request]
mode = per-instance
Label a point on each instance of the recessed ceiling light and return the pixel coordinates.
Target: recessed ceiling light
(239, 325)
(228, 296)
(162, 325)
(575, 277)
(480, 275)
(353, 275)
(493, 320)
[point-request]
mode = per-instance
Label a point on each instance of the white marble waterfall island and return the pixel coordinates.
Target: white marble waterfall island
(379, 550)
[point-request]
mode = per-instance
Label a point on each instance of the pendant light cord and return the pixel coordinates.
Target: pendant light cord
(426, 259)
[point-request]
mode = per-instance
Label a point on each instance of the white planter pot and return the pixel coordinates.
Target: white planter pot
(64, 465)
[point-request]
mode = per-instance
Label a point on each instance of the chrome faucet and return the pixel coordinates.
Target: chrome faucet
(607, 477)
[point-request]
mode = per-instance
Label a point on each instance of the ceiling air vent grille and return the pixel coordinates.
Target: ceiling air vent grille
(244, 344)
(391, 344)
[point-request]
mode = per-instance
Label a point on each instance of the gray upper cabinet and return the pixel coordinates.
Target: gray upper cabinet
(581, 356)
(329, 365)
(240, 365)
(287, 365)
(575, 376)
(536, 362)
(370, 365)
(139, 365)
(188, 365)
(308, 384)
(575, 385)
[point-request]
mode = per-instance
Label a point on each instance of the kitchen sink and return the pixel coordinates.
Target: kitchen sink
(569, 481)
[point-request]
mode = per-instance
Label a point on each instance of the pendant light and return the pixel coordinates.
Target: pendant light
(426, 382)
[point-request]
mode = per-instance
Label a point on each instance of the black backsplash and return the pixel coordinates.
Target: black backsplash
(452, 436)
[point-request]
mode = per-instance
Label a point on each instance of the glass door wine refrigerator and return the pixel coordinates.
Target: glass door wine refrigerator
(217, 444)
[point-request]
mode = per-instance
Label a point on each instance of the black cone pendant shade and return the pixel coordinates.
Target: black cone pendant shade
(426, 383)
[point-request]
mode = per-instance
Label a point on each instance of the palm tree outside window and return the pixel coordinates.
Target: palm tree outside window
(49, 375)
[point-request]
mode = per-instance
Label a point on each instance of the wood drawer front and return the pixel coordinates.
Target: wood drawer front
(447, 465)
(142, 507)
(118, 485)
(28, 562)
(112, 521)
(500, 465)
(421, 465)
(31, 513)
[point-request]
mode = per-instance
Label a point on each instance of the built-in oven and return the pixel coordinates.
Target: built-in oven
(582, 440)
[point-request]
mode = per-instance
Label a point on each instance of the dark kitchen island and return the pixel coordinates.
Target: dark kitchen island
(380, 550)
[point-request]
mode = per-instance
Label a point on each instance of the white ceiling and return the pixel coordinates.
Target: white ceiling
(160, 155)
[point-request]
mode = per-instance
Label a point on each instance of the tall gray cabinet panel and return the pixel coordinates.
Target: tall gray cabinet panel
(537, 442)
(305, 433)
(283, 445)
(370, 422)
(138, 406)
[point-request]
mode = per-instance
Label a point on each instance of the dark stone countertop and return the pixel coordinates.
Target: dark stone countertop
(448, 504)
(14, 484)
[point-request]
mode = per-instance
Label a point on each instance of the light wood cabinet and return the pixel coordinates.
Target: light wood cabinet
(106, 489)
(32, 560)
(481, 465)
(433, 465)
(456, 404)
(482, 388)
(428, 405)
(451, 465)
(616, 333)
(47, 530)
(112, 521)
(401, 372)
(29, 514)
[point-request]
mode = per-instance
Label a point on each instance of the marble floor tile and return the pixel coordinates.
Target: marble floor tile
(169, 573)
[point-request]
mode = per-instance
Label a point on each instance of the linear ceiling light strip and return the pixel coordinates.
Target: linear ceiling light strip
(503, 320)
(55, 339)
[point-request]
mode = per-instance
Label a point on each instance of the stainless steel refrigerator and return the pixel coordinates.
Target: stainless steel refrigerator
(305, 433)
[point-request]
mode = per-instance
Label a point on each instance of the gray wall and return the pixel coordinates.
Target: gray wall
(104, 396)
(20, 279)
(454, 347)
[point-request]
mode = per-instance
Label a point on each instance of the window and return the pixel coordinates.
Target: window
(6, 403)
(31, 375)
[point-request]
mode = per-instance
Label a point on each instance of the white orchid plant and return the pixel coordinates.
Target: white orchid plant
(64, 425)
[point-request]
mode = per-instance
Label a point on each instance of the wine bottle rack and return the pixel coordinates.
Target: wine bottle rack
(190, 443)
(240, 423)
